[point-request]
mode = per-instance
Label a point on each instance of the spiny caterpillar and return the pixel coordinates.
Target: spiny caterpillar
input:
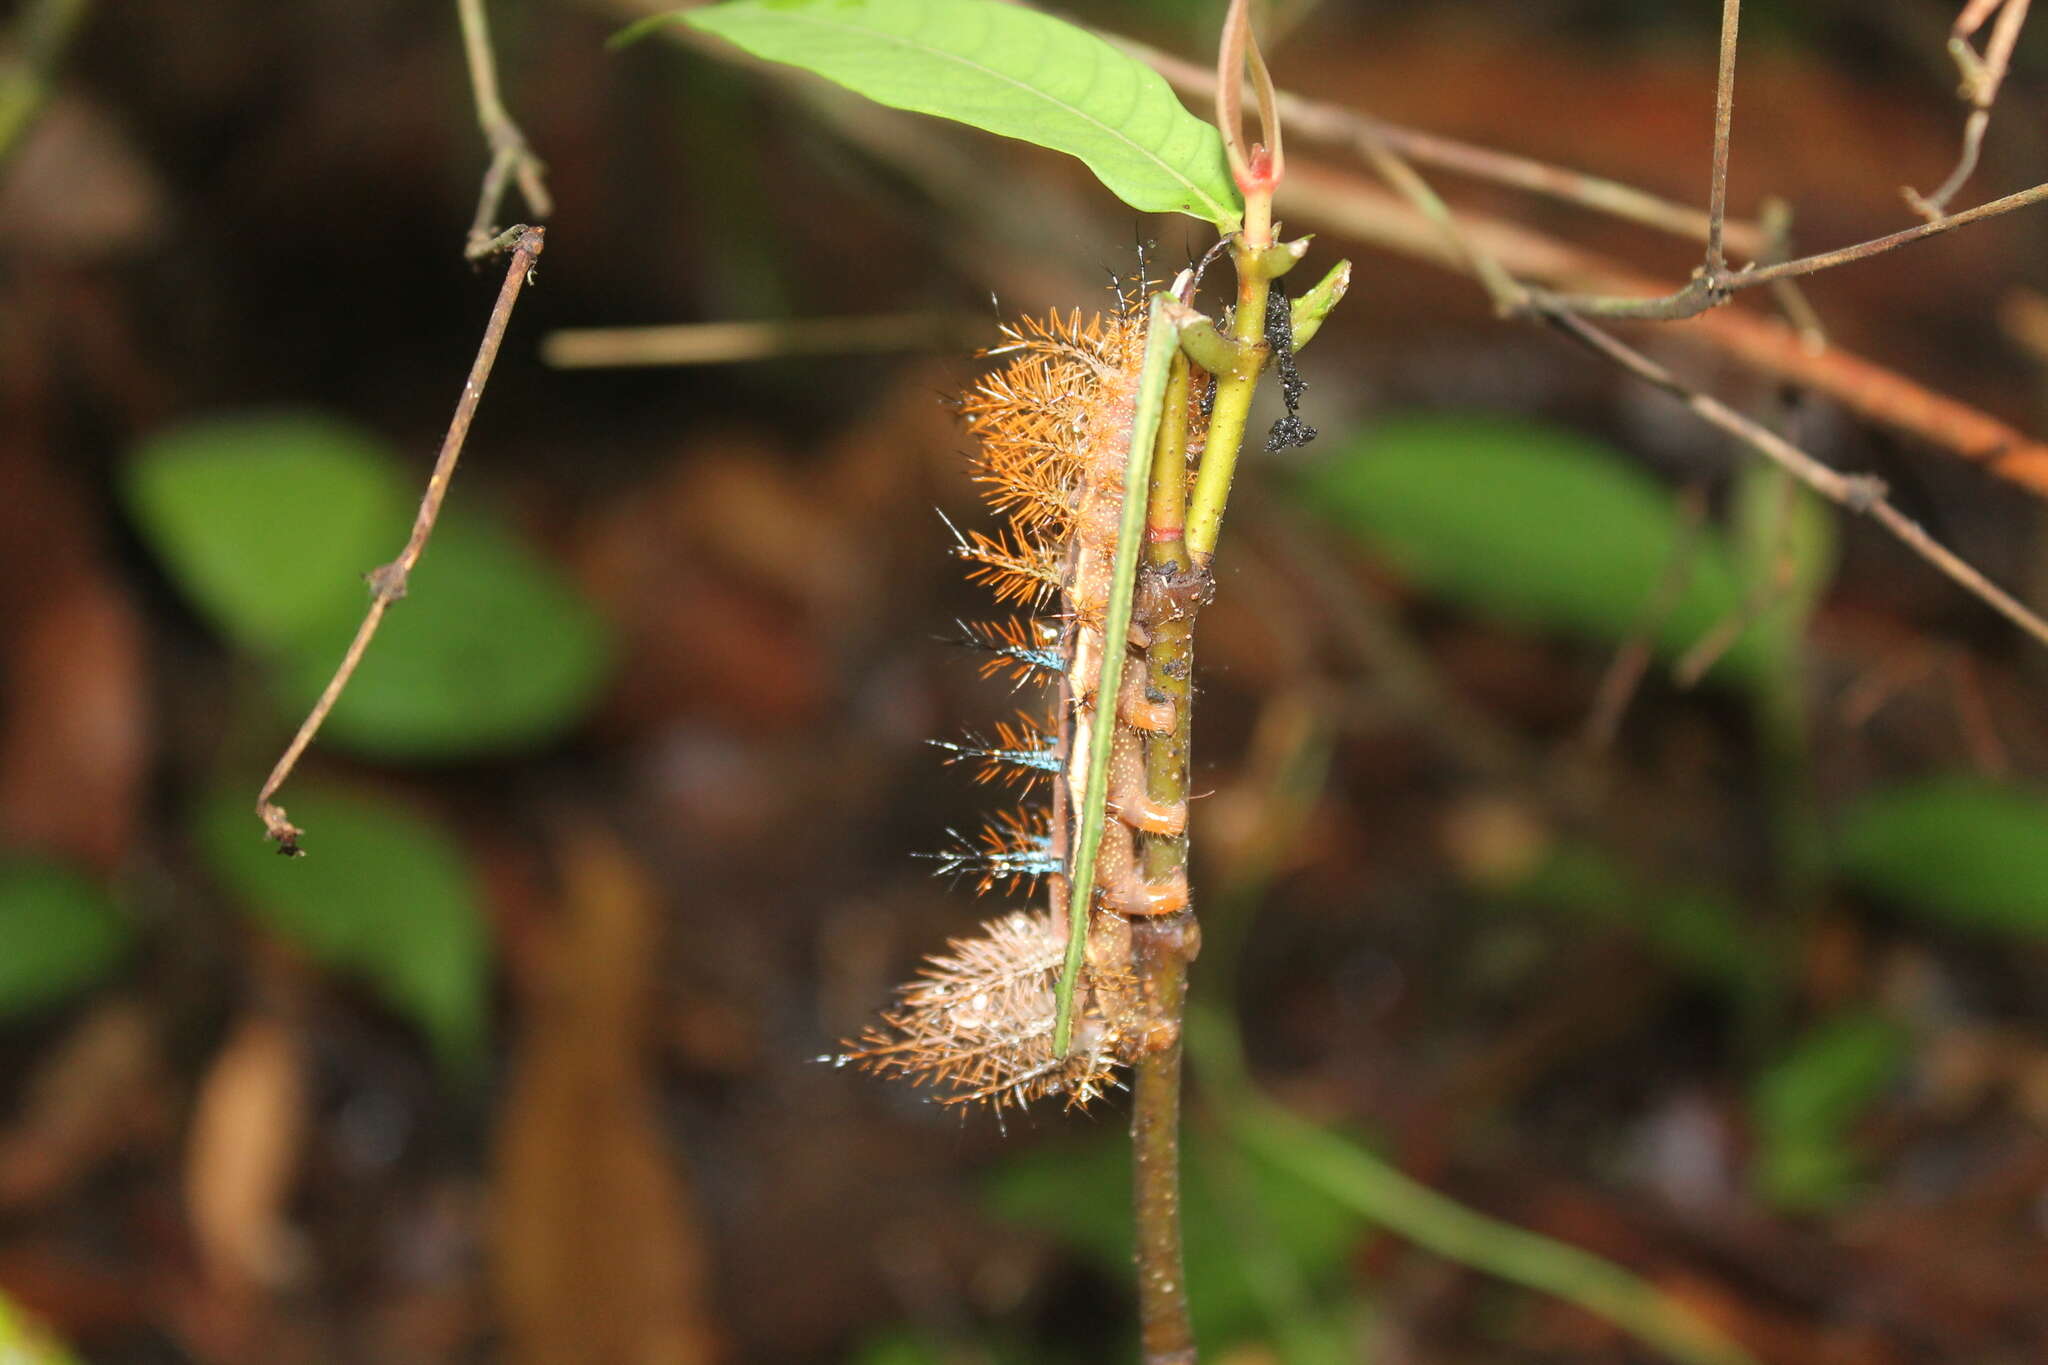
(1054, 431)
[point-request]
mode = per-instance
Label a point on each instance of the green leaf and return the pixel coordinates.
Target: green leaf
(1785, 538)
(1958, 849)
(381, 893)
(1311, 308)
(58, 934)
(1008, 70)
(490, 649)
(1527, 522)
(268, 523)
(1804, 1105)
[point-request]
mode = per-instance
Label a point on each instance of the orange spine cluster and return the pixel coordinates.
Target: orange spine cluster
(1054, 431)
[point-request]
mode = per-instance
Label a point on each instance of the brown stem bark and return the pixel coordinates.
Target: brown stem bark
(388, 583)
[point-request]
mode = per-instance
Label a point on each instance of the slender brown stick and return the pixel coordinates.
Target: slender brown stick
(1333, 124)
(1860, 493)
(1864, 493)
(1982, 76)
(724, 343)
(1877, 246)
(388, 583)
(1704, 293)
(1508, 296)
(511, 158)
(1867, 389)
(1724, 115)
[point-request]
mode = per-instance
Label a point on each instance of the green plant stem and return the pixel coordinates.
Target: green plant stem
(1160, 346)
(40, 37)
(1162, 945)
(1234, 390)
(1166, 508)
(1362, 1182)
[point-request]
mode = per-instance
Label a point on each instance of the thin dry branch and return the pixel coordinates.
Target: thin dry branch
(1710, 289)
(1982, 76)
(511, 158)
(1344, 127)
(1871, 391)
(724, 343)
(1335, 125)
(388, 583)
(1724, 115)
(1372, 138)
(1864, 494)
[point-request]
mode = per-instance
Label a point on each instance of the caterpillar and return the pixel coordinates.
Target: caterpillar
(1053, 427)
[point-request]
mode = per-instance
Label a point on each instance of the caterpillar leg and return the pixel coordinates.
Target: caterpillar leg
(1122, 882)
(1130, 803)
(1137, 709)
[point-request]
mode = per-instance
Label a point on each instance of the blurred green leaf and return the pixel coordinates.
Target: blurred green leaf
(1354, 1178)
(23, 1342)
(1785, 536)
(268, 523)
(1804, 1105)
(1958, 849)
(1002, 68)
(381, 892)
(58, 934)
(1528, 522)
(1082, 1194)
(490, 649)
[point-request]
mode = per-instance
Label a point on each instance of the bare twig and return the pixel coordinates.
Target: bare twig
(1509, 297)
(1869, 390)
(720, 343)
(1724, 114)
(388, 583)
(1860, 493)
(1425, 227)
(1776, 220)
(1863, 493)
(1713, 283)
(1707, 291)
(1335, 125)
(1982, 77)
(511, 159)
